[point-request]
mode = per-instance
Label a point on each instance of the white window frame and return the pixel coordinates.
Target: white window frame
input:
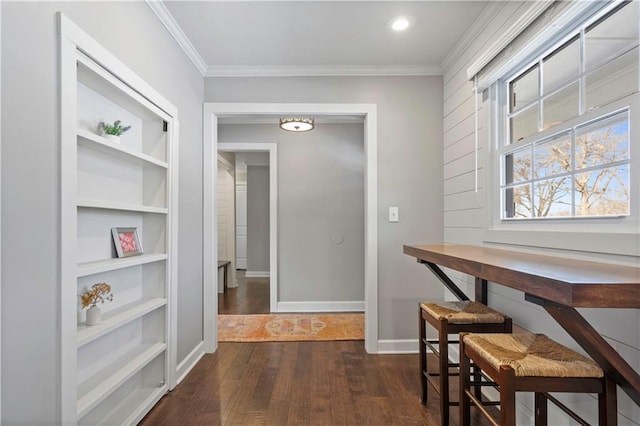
(617, 235)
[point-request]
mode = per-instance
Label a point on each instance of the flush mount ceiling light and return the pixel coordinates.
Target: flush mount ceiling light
(401, 23)
(296, 124)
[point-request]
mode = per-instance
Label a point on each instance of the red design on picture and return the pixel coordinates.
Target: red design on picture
(127, 242)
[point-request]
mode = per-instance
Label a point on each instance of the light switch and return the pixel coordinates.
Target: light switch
(393, 214)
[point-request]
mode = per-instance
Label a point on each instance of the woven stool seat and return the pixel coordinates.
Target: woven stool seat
(532, 355)
(449, 318)
(466, 312)
(529, 362)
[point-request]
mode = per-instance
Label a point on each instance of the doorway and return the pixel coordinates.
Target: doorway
(251, 232)
(214, 111)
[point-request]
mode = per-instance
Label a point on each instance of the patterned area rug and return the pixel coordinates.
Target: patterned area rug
(290, 327)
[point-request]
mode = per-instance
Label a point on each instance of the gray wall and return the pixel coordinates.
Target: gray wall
(320, 194)
(30, 184)
(409, 172)
(257, 219)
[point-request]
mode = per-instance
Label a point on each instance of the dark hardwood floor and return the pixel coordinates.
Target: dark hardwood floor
(296, 383)
(250, 297)
(299, 383)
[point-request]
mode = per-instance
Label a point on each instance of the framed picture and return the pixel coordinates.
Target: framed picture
(126, 241)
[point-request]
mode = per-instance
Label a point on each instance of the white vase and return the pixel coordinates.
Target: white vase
(112, 138)
(94, 315)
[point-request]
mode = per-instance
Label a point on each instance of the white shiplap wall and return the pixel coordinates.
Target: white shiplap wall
(226, 222)
(465, 215)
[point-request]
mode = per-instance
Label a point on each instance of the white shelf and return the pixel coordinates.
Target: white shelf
(108, 205)
(98, 143)
(117, 318)
(106, 265)
(134, 407)
(97, 388)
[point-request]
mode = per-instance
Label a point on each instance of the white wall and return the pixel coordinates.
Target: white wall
(466, 215)
(257, 220)
(409, 171)
(30, 184)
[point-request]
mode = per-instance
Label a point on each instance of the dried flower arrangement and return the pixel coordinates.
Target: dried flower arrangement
(115, 129)
(97, 293)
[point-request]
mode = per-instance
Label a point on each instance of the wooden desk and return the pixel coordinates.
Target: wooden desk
(558, 285)
(225, 265)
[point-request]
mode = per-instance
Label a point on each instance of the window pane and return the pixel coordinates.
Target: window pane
(524, 89)
(524, 124)
(561, 106)
(612, 36)
(518, 166)
(602, 142)
(553, 157)
(612, 81)
(518, 202)
(603, 192)
(561, 66)
(553, 197)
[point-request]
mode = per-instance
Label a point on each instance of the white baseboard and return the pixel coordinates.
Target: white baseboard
(342, 306)
(406, 346)
(257, 274)
(189, 362)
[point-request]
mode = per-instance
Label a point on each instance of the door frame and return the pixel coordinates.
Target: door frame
(212, 111)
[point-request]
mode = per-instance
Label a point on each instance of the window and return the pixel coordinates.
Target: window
(566, 146)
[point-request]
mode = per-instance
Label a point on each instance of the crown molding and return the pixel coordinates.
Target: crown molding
(321, 71)
(481, 22)
(165, 16)
(176, 32)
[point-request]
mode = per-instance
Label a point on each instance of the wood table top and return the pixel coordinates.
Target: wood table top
(577, 283)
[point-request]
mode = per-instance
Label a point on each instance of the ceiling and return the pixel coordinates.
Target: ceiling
(317, 37)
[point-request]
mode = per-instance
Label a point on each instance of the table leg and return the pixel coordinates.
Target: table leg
(594, 344)
(225, 271)
(481, 291)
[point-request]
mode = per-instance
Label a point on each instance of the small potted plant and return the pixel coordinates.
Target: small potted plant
(98, 293)
(112, 131)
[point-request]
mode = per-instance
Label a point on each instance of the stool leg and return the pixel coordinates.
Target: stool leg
(540, 409)
(507, 397)
(443, 347)
(608, 404)
(465, 403)
(477, 391)
(423, 356)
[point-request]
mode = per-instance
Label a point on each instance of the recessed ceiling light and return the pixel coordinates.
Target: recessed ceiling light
(401, 23)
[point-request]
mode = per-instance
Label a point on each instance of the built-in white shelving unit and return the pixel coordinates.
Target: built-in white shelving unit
(114, 372)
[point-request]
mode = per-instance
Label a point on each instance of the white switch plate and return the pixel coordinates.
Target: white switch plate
(393, 214)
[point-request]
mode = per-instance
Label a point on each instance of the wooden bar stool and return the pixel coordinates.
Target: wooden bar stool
(531, 363)
(452, 318)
